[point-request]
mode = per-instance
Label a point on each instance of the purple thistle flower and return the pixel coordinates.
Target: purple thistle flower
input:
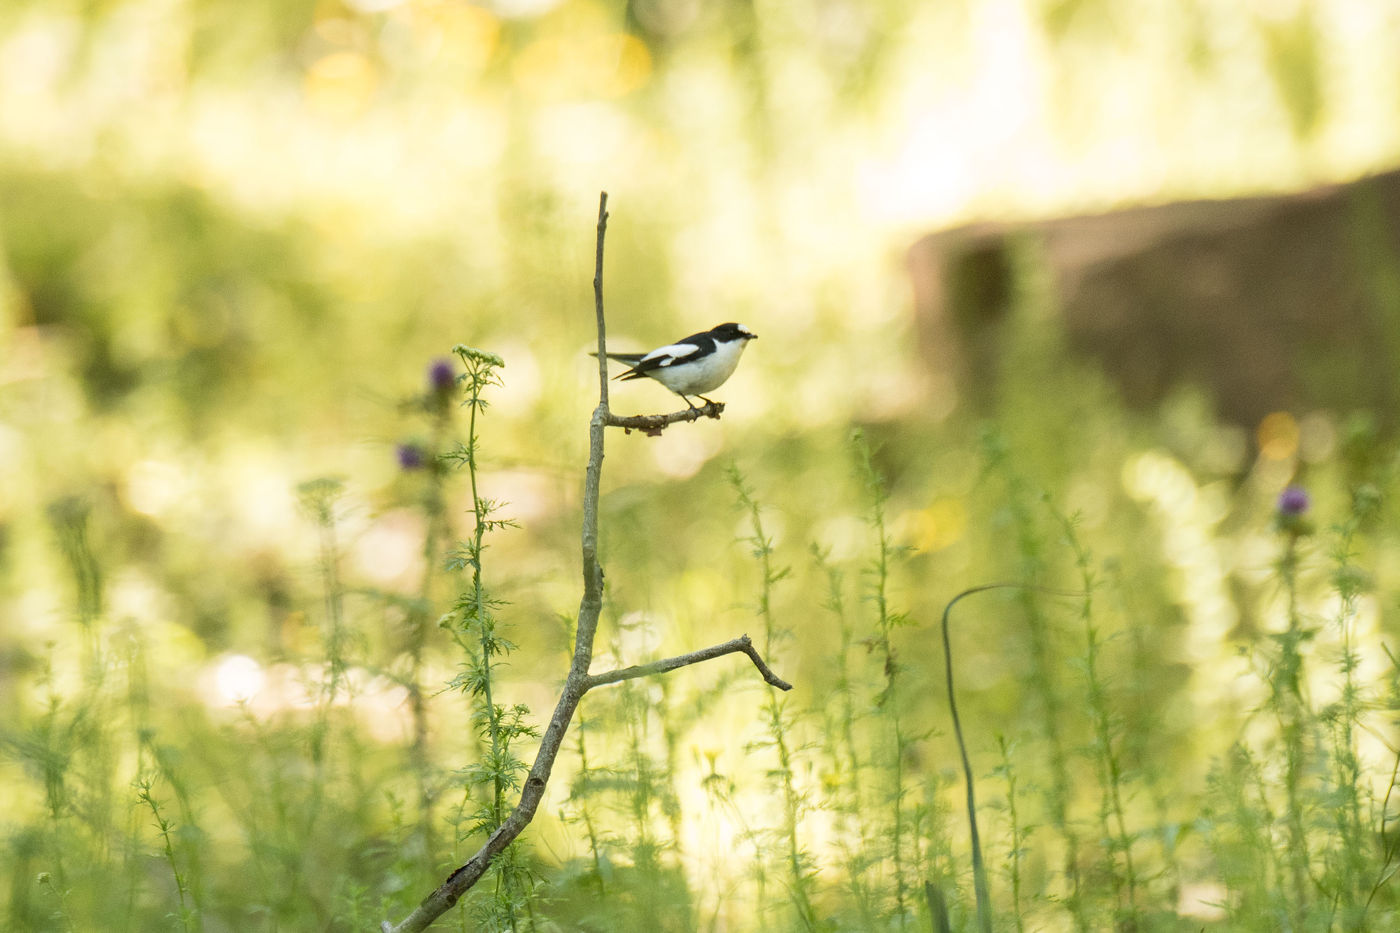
(1293, 502)
(441, 376)
(410, 457)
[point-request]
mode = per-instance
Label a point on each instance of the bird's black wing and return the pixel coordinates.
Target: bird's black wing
(677, 352)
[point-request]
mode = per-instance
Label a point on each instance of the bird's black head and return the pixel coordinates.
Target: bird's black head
(731, 331)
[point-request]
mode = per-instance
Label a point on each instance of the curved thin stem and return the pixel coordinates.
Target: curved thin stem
(979, 870)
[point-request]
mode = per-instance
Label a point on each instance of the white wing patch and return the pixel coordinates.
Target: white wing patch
(669, 354)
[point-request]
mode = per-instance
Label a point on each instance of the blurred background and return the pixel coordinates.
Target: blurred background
(1130, 261)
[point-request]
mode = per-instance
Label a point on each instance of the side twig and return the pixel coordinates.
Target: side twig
(579, 681)
(653, 425)
(740, 644)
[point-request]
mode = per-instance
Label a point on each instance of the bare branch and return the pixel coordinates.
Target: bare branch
(653, 425)
(579, 681)
(602, 353)
(742, 643)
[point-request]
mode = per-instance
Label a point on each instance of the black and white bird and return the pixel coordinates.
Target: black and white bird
(694, 365)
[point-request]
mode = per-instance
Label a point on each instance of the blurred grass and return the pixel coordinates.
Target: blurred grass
(233, 237)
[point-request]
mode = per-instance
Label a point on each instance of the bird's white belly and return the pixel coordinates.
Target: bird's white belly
(701, 376)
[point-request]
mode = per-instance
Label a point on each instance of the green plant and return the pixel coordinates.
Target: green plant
(1105, 746)
(800, 881)
(888, 700)
(475, 626)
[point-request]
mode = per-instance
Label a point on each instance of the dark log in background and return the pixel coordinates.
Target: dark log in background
(1267, 303)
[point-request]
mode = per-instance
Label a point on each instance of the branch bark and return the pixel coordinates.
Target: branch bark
(740, 644)
(579, 681)
(653, 425)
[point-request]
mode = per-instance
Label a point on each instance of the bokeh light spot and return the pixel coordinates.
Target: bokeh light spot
(1317, 437)
(940, 525)
(239, 678)
(469, 33)
(568, 67)
(153, 487)
(1278, 436)
(341, 84)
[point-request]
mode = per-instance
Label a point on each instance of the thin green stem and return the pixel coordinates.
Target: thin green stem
(979, 870)
(793, 801)
(1112, 819)
(479, 610)
(888, 699)
(1016, 853)
(1292, 710)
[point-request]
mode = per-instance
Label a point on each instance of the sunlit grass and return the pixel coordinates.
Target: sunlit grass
(696, 808)
(235, 237)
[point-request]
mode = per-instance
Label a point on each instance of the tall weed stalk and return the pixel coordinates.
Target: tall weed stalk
(1348, 869)
(881, 644)
(800, 876)
(1016, 845)
(1106, 745)
(1043, 681)
(1292, 709)
(437, 404)
(845, 779)
(475, 626)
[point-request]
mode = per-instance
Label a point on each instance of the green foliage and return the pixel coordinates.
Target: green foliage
(795, 805)
(1080, 821)
(474, 624)
(229, 237)
(839, 807)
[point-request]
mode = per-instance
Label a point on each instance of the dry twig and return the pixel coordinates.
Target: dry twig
(653, 425)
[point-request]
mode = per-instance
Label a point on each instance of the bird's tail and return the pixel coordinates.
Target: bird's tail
(631, 359)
